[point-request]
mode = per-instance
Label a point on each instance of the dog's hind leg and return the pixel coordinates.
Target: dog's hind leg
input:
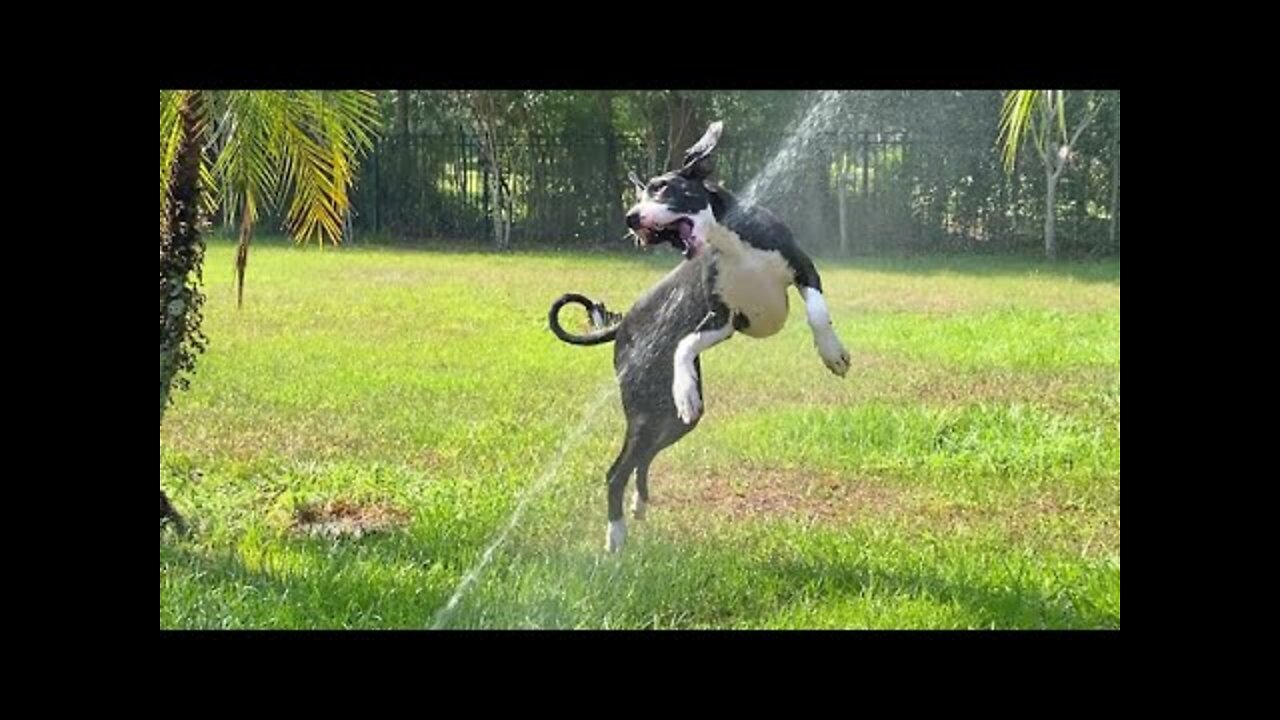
(685, 386)
(642, 446)
(634, 450)
(640, 502)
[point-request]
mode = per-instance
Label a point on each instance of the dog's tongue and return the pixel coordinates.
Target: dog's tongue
(686, 233)
(685, 228)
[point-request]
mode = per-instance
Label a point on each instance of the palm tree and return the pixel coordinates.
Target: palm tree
(1042, 114)
(251, 151)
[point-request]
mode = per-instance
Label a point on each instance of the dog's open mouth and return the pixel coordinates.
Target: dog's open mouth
(679, 234)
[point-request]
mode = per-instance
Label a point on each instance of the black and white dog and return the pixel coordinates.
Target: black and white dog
(740, 260)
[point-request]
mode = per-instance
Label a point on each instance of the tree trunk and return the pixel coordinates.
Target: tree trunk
(940, 201)
(650, 146)
(486, 194)
(651, 151)
(841, 201)
(500, 230)
(485, 115)
(402, 113)
(1050, 203)
(181, 255)
(405, 161)
(1015, 200)
(615, 208)
(682, 131)
(510, 217)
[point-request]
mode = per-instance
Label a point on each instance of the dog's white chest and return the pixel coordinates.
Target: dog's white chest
(754, 283)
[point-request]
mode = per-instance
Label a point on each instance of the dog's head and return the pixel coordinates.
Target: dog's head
(676, 208)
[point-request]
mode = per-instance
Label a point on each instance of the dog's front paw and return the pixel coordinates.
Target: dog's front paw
(834, 355)
(684, 390)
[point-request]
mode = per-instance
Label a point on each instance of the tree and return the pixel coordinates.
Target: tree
(1114, 203)
(181, 252)
(488, 112)
(1042, 114)
(644, 112)
(252, 150)
(616, 207)
(683, 124)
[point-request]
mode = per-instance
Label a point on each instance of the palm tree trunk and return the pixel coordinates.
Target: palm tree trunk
(181, 253)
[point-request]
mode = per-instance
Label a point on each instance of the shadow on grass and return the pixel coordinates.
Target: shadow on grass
(386, 581)
(1017, 605)
(397, 581)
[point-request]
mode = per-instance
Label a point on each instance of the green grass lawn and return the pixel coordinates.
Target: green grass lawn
(966, 473)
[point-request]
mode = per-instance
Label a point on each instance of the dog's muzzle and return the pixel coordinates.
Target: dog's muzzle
(679, 234)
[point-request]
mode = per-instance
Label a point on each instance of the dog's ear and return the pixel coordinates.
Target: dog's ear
(705, 144)
(698, 162)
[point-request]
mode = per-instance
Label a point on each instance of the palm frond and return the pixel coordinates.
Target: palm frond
(1017, 117)
(248, 165)
(170, 135)
(268, 148)
(323, 137)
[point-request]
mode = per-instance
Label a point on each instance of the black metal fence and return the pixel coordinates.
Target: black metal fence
(850, 193)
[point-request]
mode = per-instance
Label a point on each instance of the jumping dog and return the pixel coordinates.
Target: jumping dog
(739, 262)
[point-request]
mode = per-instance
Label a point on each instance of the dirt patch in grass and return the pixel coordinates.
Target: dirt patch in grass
(753, 491)
(1057, 391)
(344, 518)
(429, 460)
(1044, 519)
(761, 493)
(882, 377)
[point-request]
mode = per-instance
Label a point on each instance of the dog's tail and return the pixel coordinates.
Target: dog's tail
(598, 316)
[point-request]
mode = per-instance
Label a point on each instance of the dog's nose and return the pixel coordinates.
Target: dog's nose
(633, 220)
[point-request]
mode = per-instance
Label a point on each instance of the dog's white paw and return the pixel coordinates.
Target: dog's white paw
(615, 536)
(684, 390)
(833, 354)
(638, 507)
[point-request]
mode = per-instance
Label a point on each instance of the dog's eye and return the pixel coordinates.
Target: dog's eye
(657, 187)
